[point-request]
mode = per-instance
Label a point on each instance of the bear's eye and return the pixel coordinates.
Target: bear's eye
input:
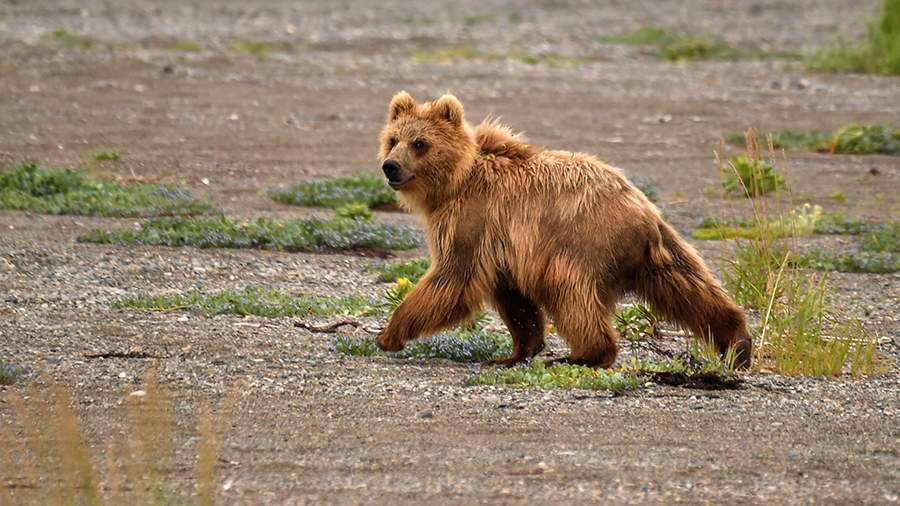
(392, 142)
(418, 145)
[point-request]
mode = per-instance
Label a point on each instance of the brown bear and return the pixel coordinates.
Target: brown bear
(531, 231)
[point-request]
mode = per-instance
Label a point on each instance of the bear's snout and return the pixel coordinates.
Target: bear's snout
(391, 170)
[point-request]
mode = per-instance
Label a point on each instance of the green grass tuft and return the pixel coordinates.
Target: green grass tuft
(879, 53)
(27, 187)
(188, 46)
(447, 54)
(266, 302)
(67, 39)
(675, 46)
(104, 155)
(412, 270)
(309, 234)
(258, 49)
(692, 47)
(750, 177)
(550, 59)
(336, 192)
(459, 346)
(645, 36)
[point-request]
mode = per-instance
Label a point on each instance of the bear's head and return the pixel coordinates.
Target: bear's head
(427, 150)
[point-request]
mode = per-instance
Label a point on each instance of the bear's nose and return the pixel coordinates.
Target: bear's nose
(391, 170)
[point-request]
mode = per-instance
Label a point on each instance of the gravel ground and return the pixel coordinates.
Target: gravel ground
(313, 426)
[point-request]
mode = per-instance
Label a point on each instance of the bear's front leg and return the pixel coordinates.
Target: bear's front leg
(438, 301)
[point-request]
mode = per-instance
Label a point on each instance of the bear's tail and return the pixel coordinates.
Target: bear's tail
(681, 288)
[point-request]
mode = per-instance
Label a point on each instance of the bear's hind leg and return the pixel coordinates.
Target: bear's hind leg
(525, 322)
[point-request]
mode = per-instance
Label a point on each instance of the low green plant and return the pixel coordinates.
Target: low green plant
(310, 234)
(855, 138)
(68, 40)
(476, 345)
(644, 36)
(859, 261)
(885, 238)
(839, 224)
(879, 53)
(412, 270)
(838, 197)
(27, 187)
(187, 46)
(802, 221)
(398, 292)
(266, 302)
(637, 322)
(752, 177)
(692, 47)
(355, 210)
(448, 54)
(104, 155)
(337, 192)
(560, 376)
(879, 247)
(676, 46)
(9, 372)
(550, 59)
(258, 49)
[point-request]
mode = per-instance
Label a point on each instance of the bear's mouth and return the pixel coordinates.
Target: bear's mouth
(398, 184)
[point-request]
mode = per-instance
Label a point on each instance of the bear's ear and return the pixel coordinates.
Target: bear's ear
(449, 108)
(402, 103)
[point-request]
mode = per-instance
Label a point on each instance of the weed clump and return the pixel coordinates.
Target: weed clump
(337, 192)
(879, 53)
(27, 187)
(750, 177)
(309, 234)
(67, 39)
(9, 372)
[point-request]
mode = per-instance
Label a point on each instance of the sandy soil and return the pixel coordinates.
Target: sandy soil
(313, 426)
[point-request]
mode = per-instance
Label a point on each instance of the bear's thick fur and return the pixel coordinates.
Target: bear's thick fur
(533, 231)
